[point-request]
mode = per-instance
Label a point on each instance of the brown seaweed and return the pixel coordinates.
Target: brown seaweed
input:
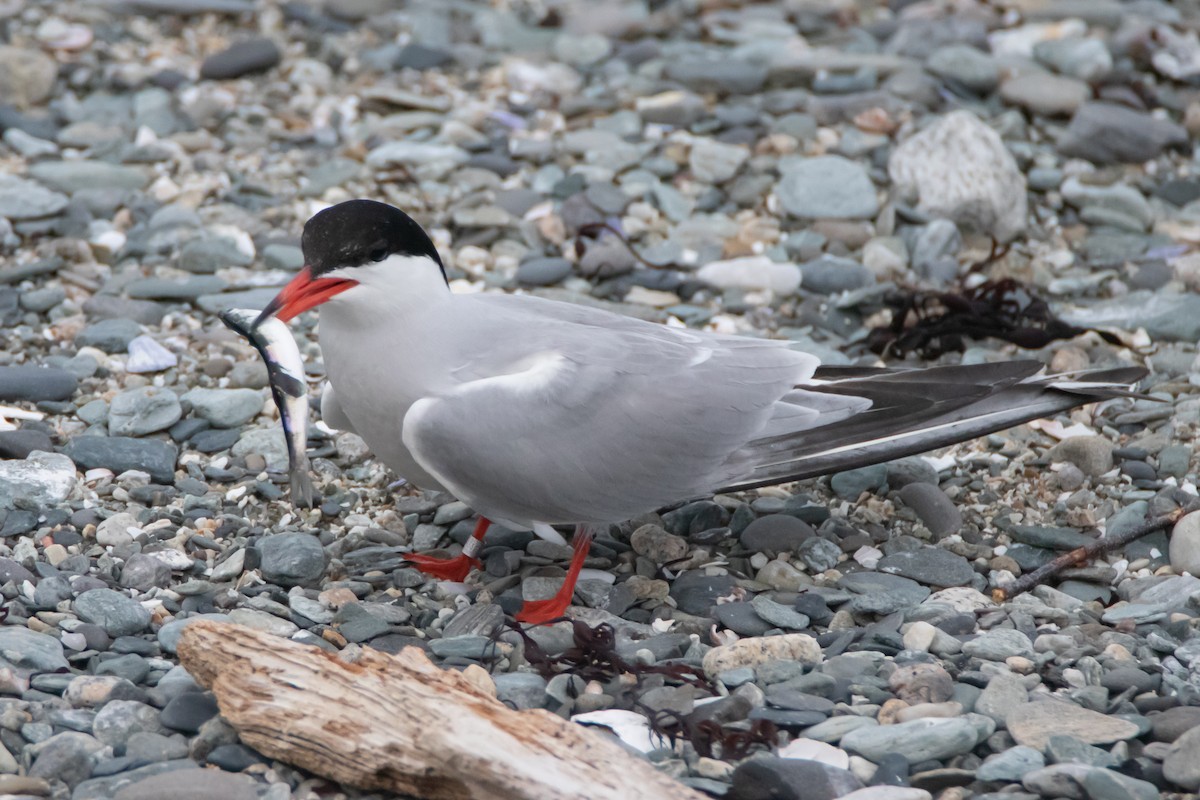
(710, 738)
(593, 656)
(932, 323)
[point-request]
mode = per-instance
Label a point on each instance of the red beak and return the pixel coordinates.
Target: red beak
(302, 293)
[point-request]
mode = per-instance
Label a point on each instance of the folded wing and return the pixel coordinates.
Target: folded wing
(913, 411)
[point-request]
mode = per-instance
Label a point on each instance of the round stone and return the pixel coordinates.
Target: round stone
(291, 559)
(543, 271)
(826, 187)
(1091, 454)
(1184, 546)
(34, 383)
(30, 650)
(935, 509)
(137, 412)
(118, 614)
(657, 545)
(225, 408)
(776, 533)
(242, 58)
(931, 566)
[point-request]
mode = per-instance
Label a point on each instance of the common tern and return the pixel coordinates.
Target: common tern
(536, 413)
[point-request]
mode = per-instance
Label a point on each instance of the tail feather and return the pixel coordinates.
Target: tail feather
(914, 411)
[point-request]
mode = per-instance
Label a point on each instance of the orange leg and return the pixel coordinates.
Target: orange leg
(454, 569)
(539, 612)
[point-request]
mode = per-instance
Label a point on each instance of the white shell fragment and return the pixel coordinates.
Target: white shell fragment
(630, 727)
(147, 355)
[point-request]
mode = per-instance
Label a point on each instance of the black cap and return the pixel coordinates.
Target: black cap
(359, 232)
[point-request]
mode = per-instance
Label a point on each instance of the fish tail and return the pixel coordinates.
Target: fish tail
(302, 487)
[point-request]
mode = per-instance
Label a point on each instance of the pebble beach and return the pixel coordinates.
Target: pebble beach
(778, 169)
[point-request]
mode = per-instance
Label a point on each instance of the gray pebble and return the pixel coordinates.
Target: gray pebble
(919, 740)
(819, 554)
(935, 509)
(291, 559)
(779, 615)
(725, 75)
(243, 58)
(120, 453)
(1009, 766)
(1107, 133)
(66, 757)
(118, 614)
(1092, 454)
(880, 593)
(144, 410)
(775, 533)
(144, 572)
(225, 408)
(185, 783)
(75, 176)
(543, 271)
(931, 566)
(109, 335)
(851, 484)
(831, 275)
(999, 644)
(695, 592)
(1063, 749)
(521, 690)
(966, 65)
(120, 719)
(36, 383)
(741, 618)
(27, 649)
(826, 187)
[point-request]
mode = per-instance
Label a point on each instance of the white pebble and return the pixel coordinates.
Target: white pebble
(147, 355)
(752, 273)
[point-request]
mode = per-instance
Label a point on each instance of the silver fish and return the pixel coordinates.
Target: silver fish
(285, 370)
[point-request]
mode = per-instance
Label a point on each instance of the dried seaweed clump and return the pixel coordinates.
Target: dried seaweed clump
(932, 323)
(594, 657)
(711, 739)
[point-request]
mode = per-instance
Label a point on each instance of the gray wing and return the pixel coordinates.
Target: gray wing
(578, 415)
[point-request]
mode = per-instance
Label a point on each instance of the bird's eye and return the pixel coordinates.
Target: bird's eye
(378, 254)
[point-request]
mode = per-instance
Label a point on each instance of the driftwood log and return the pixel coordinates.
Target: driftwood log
(401, 724)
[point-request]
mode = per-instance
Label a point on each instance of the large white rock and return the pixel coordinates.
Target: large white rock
(959, 169)
(41, 480)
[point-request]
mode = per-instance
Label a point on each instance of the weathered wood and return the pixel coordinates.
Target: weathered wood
(401, 724)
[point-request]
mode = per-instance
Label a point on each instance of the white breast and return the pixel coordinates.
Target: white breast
(380, 344)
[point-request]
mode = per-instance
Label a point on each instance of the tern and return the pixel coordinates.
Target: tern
(538, 413)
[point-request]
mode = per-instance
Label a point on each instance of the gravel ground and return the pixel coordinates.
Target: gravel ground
(778, 168)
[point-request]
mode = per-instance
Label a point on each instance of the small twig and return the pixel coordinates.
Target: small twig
(591, 230)
(1082, 555)
(997, 252)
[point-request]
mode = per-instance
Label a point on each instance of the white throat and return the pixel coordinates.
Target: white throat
(380, 344)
